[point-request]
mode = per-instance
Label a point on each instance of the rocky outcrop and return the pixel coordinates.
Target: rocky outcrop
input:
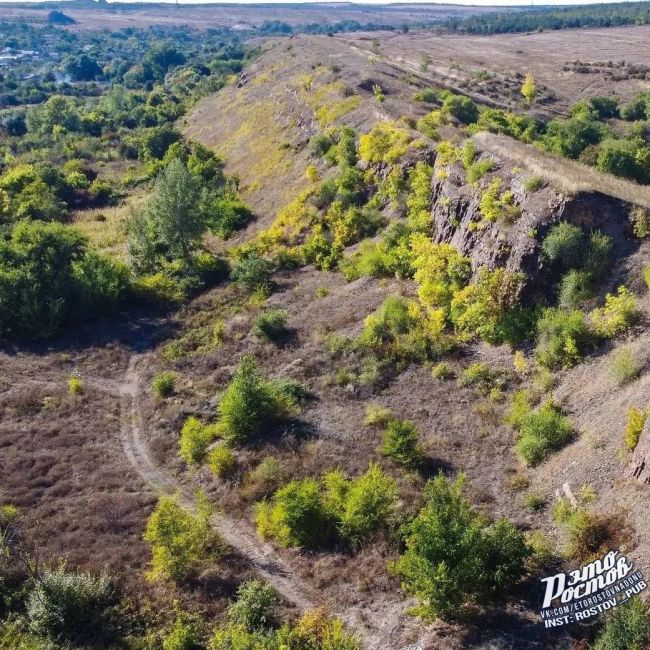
(457, 220)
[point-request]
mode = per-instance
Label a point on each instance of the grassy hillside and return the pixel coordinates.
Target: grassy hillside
(350, 356)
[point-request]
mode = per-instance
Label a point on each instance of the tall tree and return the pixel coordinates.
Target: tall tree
(172, 222)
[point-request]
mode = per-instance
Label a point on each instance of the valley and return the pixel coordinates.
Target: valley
(322, 341)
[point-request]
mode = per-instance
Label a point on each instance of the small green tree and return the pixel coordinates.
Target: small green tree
(401, 442)
(182, 544)
(361, 505)
(171, 223)
(251, 403)
(452, 557)
(529, 89)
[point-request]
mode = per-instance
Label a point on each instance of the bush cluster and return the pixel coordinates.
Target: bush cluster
(315, 513)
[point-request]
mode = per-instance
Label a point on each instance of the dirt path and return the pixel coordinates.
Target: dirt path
(378, 629)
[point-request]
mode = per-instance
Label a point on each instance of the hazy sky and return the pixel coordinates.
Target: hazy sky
(456, 2)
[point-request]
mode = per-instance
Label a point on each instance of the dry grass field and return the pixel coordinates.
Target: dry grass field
(605, 56)
(241, 17)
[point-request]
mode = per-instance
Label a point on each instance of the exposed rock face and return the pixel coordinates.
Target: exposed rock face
(458, 221)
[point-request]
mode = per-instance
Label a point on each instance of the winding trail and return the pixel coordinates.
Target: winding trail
(378, 629)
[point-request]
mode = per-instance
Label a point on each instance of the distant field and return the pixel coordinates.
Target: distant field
(242, 16)
(571, 63)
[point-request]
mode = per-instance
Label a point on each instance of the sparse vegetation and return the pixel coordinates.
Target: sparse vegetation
(405, 253)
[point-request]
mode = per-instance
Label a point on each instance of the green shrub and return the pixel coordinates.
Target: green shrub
(253, 273)
(182, 635)
(428, 124)
(636, 420)
(476, 171)
(159, 290)
(401, 443)
(362, 505)
(391, 320)
(182, 543)
(597, 261)
(488, 308)
(253, 607)
(75, 386)
(442, 371)
(222, 461)
(453, 558)
(49, 279)
(617, 316)
(460, 107)
(572, 136)
(626, 628)
(496, 205)
(224, 215)
(163, 384)
(640, 220)
(427, 95)
(69, 606)
(541, 432)
(271, 325)
(563, 337)
(230, 637)
(625, 367)
(564, 245)
(418, 201)
(575, 289)
(194, 440)
(646, 276)
(292, 391)
(251, 404)
(313, 514)
(296, 516)
(377, 415)
(534, 183)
